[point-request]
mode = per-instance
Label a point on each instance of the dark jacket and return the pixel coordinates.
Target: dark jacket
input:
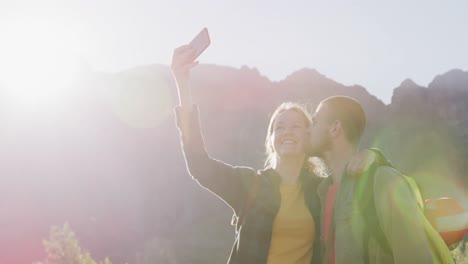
(234, 184)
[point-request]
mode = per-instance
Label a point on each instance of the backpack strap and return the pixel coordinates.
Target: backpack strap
(366, 205)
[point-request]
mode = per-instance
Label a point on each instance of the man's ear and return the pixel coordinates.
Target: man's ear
(308, 142)
(335, 128)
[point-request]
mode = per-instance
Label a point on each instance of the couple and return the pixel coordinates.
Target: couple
(286, 213)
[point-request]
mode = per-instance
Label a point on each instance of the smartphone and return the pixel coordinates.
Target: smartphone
(201, 42)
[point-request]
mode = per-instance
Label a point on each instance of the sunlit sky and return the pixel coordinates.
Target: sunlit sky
(376, 44)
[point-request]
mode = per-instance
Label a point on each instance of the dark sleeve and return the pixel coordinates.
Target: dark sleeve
(400, 218)
(230, 183)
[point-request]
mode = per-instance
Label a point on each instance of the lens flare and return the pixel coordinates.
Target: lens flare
(140, 99)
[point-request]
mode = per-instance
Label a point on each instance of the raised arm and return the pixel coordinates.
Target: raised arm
(181, 66)
(229, 183)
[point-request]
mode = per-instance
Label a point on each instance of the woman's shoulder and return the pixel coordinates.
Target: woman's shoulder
(269, 175)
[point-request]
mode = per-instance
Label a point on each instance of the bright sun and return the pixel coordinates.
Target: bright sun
(38, 60)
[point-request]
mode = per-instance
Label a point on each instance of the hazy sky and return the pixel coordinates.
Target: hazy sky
(376, 44)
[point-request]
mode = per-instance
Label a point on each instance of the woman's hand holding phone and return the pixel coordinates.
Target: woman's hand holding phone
(183, 60)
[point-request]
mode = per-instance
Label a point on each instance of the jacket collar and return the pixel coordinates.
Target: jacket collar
(306, 177)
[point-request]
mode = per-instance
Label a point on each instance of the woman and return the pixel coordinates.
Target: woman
(278, 207)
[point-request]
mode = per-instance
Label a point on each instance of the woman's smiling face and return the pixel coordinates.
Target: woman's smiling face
(290, 134)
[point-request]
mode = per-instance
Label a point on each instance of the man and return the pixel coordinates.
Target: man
(338, 125)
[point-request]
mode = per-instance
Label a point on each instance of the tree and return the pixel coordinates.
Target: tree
(62, 247)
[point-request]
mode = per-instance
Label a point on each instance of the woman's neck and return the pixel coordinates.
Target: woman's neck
(289, 169)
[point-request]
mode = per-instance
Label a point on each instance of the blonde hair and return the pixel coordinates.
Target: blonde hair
(270, 153)
(318, 167)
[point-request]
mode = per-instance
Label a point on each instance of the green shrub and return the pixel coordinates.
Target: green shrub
(62, 247)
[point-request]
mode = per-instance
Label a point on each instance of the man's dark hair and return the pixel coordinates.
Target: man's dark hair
(350, 113)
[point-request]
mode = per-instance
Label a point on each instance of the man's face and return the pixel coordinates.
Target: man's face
(320, 140)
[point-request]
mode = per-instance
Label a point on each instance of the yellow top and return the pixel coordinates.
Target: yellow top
(293, 229)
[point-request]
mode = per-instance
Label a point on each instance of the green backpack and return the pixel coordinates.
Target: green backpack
(366, 204)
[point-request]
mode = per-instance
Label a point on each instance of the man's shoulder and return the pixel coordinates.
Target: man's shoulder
(387, 174)
(388, 179)
(382, 175)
